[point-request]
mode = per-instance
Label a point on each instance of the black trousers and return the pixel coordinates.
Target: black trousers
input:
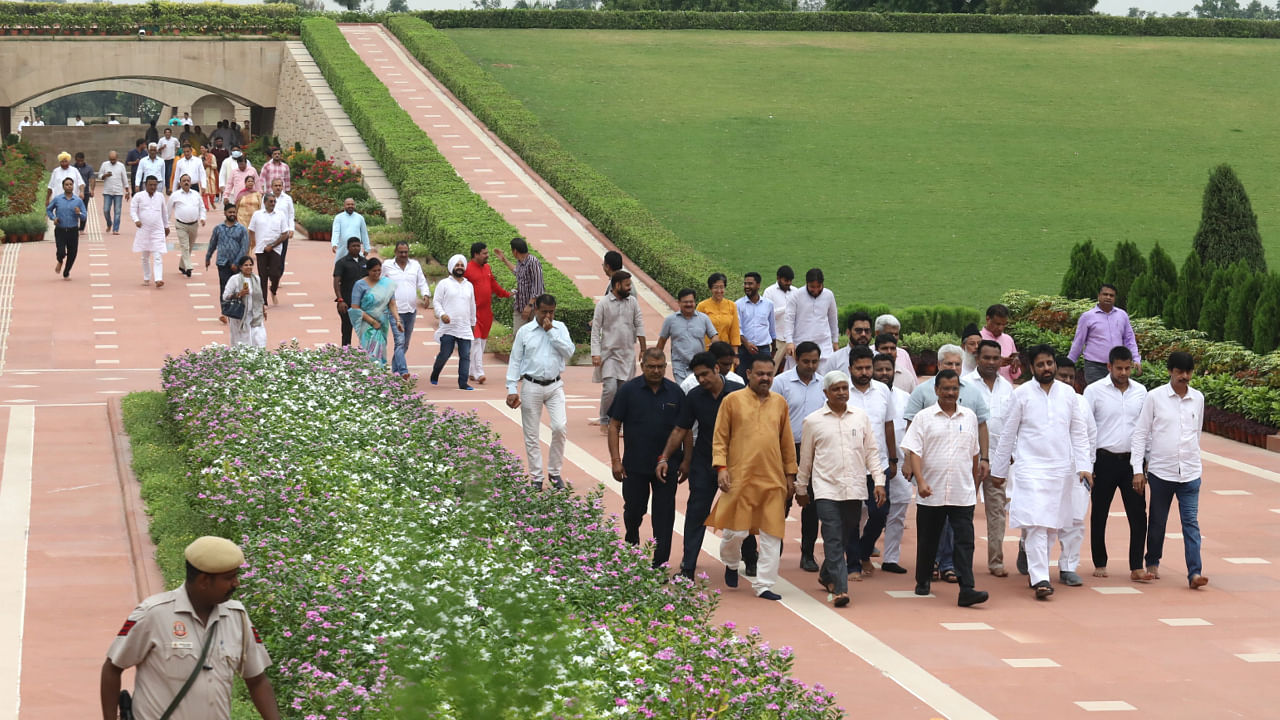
(284, 251)
(346, 325)
(702, 494)
(1112, 471)
(636, 489)
(269, 272)
(808, 531)
(929, 522)
(224, 274)
(84, 219)
(858, 549)
(67, 241)
(745, 358)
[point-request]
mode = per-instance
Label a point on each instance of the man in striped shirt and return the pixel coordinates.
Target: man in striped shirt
(528, 272)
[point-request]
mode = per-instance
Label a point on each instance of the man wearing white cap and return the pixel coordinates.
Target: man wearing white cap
(60, 173)
(170, 639)
(151, 166)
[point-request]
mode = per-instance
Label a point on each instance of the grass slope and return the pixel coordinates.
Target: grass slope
(912, 168)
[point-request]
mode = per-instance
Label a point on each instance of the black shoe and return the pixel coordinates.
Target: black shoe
(808, 564)
(1043, 590)
(687, 573)
(922, 589)
(894, 568)
(769, 595)
(1022, 560)
(750, 569)
(969, 598)
(731, 577)
(556, 482)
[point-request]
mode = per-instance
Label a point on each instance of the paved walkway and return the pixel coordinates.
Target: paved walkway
(71, 346)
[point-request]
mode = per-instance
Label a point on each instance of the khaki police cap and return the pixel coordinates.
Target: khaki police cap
(214, 555)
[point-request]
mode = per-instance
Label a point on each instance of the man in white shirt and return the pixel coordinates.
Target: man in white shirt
(266, 232)
(941, 449)
(115, 190)
(538, 356)
(838, 451)
(802, 388)
(997, 392)
(1044, 421)
(726, 360)
(60, 173)
(284, 206)
(811, 316)
(456, 310)
(412, 290)
(38, 122)
(186, 207)
(167, 146)
(1071, 536)
(79, 122)
(876, 400)
(882, 367)
(859, 333)
(780, 294)
(112, 120)
(904, 374)
(1167, 436)
(190, 165)
(26, 122)
(906, 379)
(1115, 403)
(151, 166)
(150, 214)
(187, 121)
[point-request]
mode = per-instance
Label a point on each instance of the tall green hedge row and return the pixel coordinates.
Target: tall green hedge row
(112, 19)
(650, 245)
(853, 22)
(439, 208)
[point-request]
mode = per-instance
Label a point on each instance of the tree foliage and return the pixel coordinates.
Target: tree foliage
(1266, 316)
(397, 6)
(1126, 265)
(1241, 303)
(1088, 267)
(1154, 288)
(1183, 309)
(1228, 227)
(1218, 9)
(1213, 309)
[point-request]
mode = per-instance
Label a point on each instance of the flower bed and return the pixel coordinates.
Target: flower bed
(22, 184)
(388, 541)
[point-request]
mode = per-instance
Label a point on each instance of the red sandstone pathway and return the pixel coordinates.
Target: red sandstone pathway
(69, 347)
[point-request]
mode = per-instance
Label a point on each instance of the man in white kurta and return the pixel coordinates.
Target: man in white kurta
(1045, 422)
(150, 214)
(1071, 535)
(900, 494)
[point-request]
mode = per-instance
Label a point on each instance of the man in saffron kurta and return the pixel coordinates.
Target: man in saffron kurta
(480, 273)
(754, 455)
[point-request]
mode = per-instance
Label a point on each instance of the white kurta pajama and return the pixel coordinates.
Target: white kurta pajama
(1051, 436)
(153, 212)
(1072, 536)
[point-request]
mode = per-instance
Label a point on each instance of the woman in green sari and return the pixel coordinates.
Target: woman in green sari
(373, 310)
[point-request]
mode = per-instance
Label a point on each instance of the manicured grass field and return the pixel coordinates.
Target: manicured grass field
(911, 168)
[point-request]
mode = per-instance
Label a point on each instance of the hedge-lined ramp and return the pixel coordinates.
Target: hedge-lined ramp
(495, 172)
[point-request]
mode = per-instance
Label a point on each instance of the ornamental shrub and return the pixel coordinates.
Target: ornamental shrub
(1266, 317)
(1228, 227)
(1125, 265)
(1182, 309)
(1213, 311)
(1243, 299)
(1152, 289)
(1085, 272)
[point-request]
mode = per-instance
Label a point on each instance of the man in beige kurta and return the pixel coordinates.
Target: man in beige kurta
(755, 460)
(616, 326)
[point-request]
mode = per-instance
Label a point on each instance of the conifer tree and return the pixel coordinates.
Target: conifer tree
(1228, 227)
(1088, 267)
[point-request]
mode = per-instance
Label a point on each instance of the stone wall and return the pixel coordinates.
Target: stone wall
(95, 141)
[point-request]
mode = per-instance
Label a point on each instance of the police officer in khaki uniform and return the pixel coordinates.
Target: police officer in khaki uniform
(164, 637)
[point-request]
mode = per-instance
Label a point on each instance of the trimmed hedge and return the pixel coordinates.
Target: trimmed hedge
(166, 17)
(664, 256)
(439, 208)
(853, 22)
(927, 319)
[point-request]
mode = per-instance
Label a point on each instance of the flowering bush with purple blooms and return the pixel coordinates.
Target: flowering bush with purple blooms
(399, 566)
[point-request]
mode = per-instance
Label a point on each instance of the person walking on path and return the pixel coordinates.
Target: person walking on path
(191, 165)
(251, 327)
(538, 356)
(1101, 328)
(486, 286)
(529, 285)
(701, 406)
(275, 169)
(373, 311)
(86, 187)
(883, 366)
(248, 201)
(755, 321)
(838, 451)
(197, 613)
(60, 173)
(993, 330)
(284, 206)
(267, 231)
(906, 377)
(456, 310)
(996, 392)
(150, 215)
(876, 400)
(812, 316)
(151, 166)
(616, 326)
(1045, 424)
(1116, 403)
(1071, 537)
(131, 160)
(167, 147)
(210, 188)
(723, 313)
(347, 271)
(238, 177)
(801, 388)
(65, 211)
(187, 210)
(687, 329)
(780, 293)
(1166, 436)
(754, 454)
(349, 224)
(412, 290)
(230, 241)
(115, 190)
(646, 409)
(942, 450)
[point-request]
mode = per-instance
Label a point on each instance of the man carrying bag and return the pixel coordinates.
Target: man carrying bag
(188, 645)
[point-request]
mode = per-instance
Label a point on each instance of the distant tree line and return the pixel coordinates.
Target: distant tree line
(1219, 10)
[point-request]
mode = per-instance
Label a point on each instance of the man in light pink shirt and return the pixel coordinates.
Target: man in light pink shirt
(997, 319)
(235, 179)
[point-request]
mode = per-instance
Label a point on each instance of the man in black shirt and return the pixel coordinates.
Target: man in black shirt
(648, 407)
(701, 406)
(347, 271)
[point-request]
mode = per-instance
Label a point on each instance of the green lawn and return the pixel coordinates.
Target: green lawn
(911, 168)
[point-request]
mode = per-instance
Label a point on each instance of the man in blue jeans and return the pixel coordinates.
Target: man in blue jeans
(114, 177)
(1167, 436)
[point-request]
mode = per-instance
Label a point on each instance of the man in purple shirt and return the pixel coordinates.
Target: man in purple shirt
(1101, 328)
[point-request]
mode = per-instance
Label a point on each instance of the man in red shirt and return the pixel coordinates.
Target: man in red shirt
(486, 286)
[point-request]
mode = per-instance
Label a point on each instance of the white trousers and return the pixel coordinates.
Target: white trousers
(1072, 538)
(533, 397)
(1038, 541)
(477, 359)
(766, 568)
(896, 523)
(152, 266)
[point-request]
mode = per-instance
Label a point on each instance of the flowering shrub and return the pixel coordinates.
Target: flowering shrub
(331, 173)
(400, 567)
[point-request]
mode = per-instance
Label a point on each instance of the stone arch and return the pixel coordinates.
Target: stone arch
(207, 110)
